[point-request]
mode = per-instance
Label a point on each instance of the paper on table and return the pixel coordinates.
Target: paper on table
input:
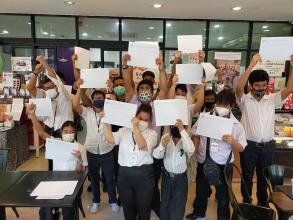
(214, 126)
(119, 113)
(60, 150)
(189, 43)
(7, 79)
(143, 54)
(168, 111)
(276, 48)
(95, 54)
(44, 107)
(16, 109)
(189, 73)
(83, 58)
(94, 78)
(210, 71)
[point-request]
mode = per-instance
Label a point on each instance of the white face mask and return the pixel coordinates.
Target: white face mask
(143, 125)
(222, 111)
(51, 93)
(68, 137)
(180, 97)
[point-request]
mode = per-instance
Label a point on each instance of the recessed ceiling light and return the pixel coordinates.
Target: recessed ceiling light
(216, 26)
(52, 35)
(169, 25)
(29, 23)
(220, 38)
(45, 33)
(69, 2)
(100, 37)
(148, 38)
(157, 5)
(5, 32)
(266, 30)
(237, 8)
(84, 34)
(264, 27)
(151, 28)
(161, 36)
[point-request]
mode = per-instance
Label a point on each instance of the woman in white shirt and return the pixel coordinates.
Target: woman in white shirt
(136, 174)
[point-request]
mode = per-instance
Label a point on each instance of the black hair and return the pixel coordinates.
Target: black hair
(42, 79)
(226, 96)
(147, 108)
(210, 92)
(258, 76)
(116, 78)
(98, 92)
(145, 82)
(68, 124)
(182, 87)
(148, 73)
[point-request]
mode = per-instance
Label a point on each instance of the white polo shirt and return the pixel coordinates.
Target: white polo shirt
(258, 117)
(129, 153)
(95, 141)
(220, 156)
(175, 155)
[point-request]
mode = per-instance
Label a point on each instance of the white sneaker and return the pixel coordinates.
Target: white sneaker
(94, 208)
(114, 207)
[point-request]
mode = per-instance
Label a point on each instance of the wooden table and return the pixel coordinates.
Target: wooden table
(283, 202)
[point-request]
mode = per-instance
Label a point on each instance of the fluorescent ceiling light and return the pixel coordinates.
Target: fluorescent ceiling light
(151, 28)
(69, 2)
(161, 36)
(157, 5)
(169, 25)
(266, 30)
(216, 26)
(100, 37)
(264, 27)
(5, 32)
(220, 38)
(237, 8)
(84, 34)
(45, 33)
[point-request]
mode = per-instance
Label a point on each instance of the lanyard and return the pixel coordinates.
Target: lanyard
(134, 142)
(98, 121)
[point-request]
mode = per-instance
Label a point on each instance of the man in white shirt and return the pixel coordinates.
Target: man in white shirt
(258, 120)
(174, 149)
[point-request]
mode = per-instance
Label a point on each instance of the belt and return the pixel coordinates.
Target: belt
(173, 175)
(261, 144)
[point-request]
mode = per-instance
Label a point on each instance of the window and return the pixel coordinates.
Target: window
(15, 26)
(48, 27)
(228, 35)
(269, 30)
(111, 59)
(5, 58)
(142, 30)
(174, 28)
(98, 29)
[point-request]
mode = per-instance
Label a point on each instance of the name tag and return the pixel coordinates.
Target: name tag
(214, 147)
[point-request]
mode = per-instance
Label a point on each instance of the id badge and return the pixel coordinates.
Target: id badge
(214, 147)
(133, 159)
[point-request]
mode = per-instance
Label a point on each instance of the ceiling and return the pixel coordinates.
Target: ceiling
(205, 9)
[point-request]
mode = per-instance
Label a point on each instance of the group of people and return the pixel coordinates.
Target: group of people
(147, 153)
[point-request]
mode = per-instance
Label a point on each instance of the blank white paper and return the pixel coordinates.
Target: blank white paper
(83, 58)
(16, 109)
(44, 107)
(214, 126)
(60, 150)
(94, 78)
(210, 71)
(189, 43)
(168, 111)
(189, 73)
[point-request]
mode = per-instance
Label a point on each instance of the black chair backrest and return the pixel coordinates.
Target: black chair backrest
(275, 175)
(3, 158)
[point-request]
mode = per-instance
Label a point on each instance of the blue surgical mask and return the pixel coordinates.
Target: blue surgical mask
(99, 104)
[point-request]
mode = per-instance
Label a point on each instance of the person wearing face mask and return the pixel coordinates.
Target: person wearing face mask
(99, 151)
(174, 149)
(258, 120)
(136, 174)
(119, 88)
(210, 98)
(220, 151)
(67, 131)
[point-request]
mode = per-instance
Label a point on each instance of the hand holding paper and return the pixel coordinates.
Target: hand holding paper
(189, 73)
(60, 150)
(43, 107)
(83, 61)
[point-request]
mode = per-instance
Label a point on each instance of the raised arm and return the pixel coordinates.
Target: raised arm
(244, 77)
(289, 87)
(200, 99)
(171, 92)
(127, 75)
(31, 109)
(177, 60)
(188, 146)
(76, 99)
(159, 152)
(31, 86)
(49, 69)
(163, 78)
(108, 133)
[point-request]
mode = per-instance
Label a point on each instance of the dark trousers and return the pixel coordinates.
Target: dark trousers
(116, 165)
(68, 214)
(203, 192)
(156, 200)
(174, 196)
(106, 162)
(255, 157)
(136, 187)
(55, 134)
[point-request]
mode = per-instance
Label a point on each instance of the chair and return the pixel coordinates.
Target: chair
(275, 176)
(3, 167)
(245, 211)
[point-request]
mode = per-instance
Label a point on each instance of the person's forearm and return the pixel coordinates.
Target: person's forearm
(163, 84)
(171, 93)
(108, 134)
(31, 86)
(140, 141)
(76, 99)
(244, 78)
(127, 73)
(51, 72)
(237, 146)
(38, 127)
(199, 100)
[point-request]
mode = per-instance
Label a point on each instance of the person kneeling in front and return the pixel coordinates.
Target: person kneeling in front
(175, 149)
(221, 152)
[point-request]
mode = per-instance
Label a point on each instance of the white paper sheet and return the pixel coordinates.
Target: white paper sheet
(214, 126)
(16, 109)
(149, 42)
(60, 150)
(210, 71)
(143, 54)
(94, 78)
(189, 73)
(168, 111)
(95, 54)
(83, 58)
(189, 43)
(276, 48)
(227, 56)
(274, 69)
(119, 113)
(44, 107)
(7, 79)
(54, 189)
